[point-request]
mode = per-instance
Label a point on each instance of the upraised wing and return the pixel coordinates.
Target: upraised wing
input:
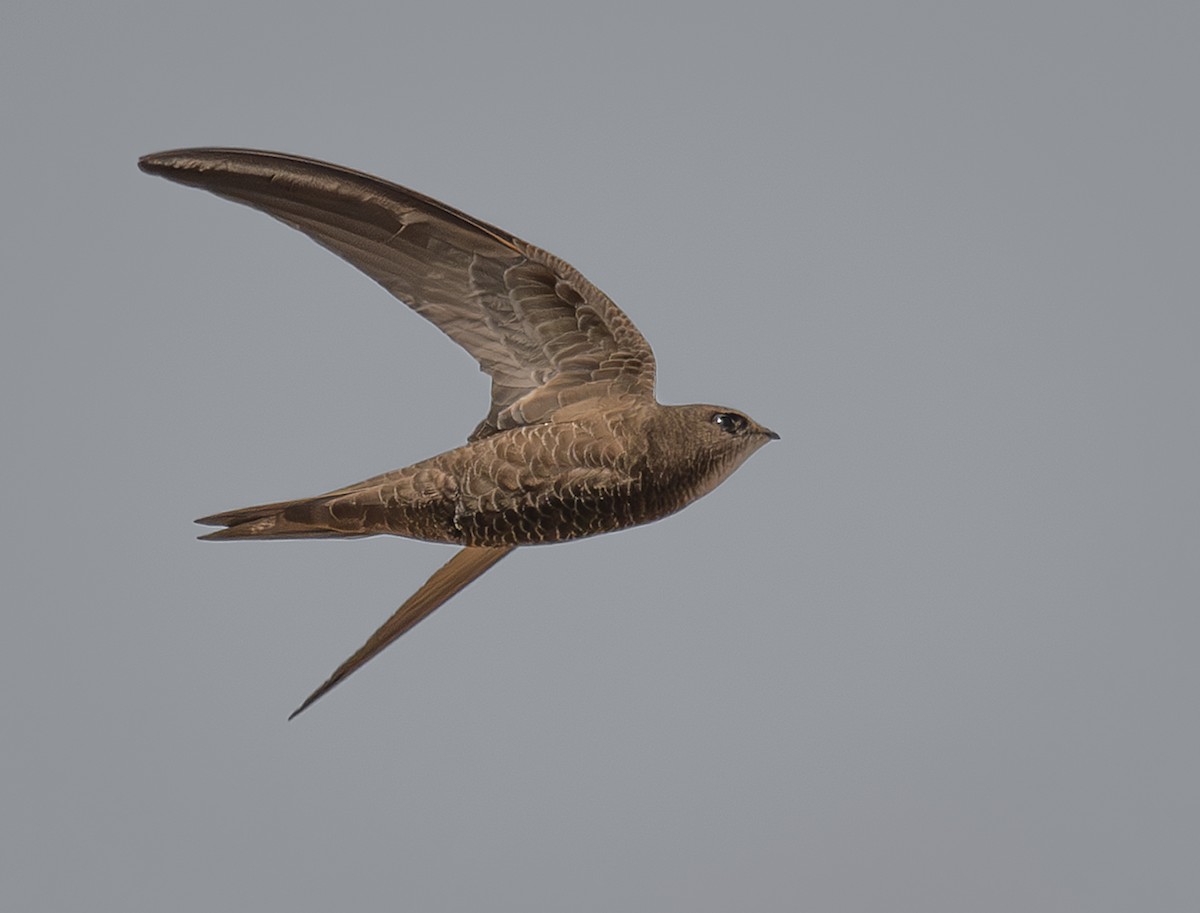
(545, 335)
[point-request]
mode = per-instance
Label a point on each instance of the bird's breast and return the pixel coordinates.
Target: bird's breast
(581, 501)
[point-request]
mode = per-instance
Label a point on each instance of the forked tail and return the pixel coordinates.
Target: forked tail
(303, 519)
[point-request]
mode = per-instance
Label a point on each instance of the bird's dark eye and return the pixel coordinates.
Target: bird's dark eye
(729, 422)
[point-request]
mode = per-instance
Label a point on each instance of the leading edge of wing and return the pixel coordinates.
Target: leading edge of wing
(232, 172)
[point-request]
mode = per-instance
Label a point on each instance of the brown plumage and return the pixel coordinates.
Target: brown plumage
(574, 442)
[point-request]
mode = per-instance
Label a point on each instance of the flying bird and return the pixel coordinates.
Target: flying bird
(574, 442)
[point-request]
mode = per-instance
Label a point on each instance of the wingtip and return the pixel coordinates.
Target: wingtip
(153, 162)
(312, 699)
(174, 161)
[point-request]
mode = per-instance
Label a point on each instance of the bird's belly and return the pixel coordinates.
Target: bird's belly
(559, 517)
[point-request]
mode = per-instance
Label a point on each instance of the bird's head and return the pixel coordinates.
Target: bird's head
(718, 438)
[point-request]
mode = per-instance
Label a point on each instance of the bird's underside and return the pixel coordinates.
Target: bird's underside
(551, 482)
(574, 442)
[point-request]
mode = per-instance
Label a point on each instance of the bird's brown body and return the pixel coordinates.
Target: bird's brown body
(574, 443)
(616, 464)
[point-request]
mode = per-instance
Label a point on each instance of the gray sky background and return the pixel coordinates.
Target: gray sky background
(935, 650)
